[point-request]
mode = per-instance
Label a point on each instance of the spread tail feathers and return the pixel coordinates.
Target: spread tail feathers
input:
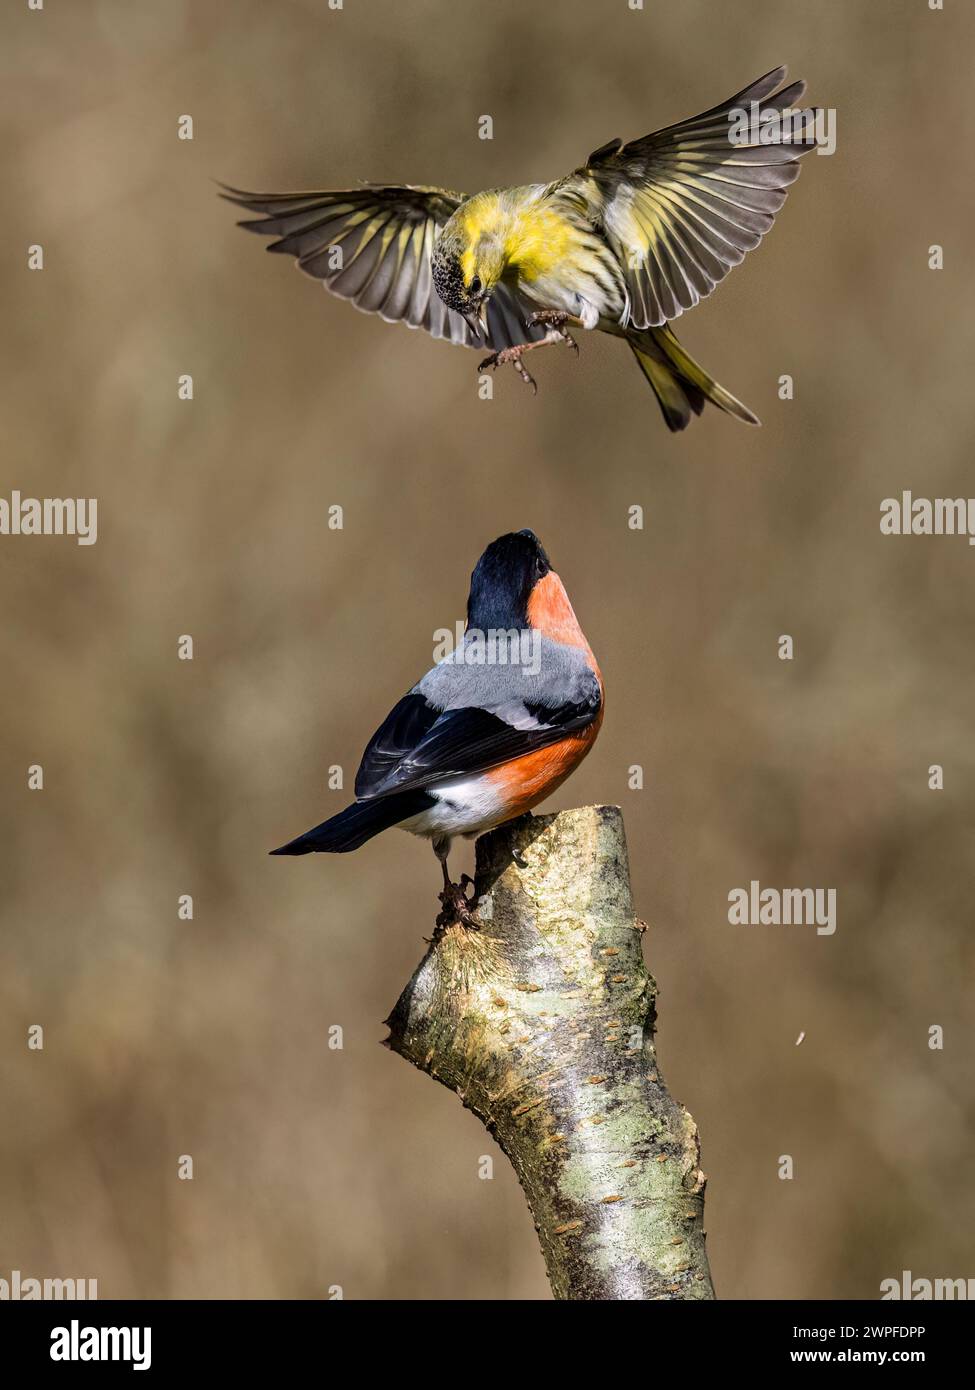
(358, 823)
(680, 385)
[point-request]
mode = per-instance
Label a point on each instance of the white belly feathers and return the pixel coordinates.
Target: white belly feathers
(465, 806)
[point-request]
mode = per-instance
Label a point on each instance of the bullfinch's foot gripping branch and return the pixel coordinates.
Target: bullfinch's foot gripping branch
(489, 732)
(626, 243)
(457, 906)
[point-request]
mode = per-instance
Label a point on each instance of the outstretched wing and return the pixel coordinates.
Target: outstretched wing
(373, 246)
(444, 728)
(684, 205)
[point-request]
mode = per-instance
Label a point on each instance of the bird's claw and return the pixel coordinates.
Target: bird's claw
(512, 355)
(458, 908)
(554, 320)
(551, 318)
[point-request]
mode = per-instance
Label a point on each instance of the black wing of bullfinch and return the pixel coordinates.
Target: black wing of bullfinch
(459, 720)
(462, 719)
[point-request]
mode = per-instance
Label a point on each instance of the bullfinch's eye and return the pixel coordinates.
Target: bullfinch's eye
(476, 285)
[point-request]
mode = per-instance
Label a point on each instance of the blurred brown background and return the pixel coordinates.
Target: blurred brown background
(316, 1167)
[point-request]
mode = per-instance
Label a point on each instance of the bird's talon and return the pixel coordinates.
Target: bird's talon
(512, 355)
(523, 371)
(457, 908)
(553, 318)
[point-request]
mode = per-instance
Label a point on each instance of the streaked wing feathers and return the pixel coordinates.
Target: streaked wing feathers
(373, 245)
(685, 204)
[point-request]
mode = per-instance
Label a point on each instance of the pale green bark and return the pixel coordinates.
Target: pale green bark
(543, 1023)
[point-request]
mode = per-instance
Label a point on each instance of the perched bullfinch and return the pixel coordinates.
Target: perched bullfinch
(490, 731)
(624, 244)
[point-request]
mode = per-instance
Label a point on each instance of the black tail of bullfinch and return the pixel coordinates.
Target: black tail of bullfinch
(358, 823)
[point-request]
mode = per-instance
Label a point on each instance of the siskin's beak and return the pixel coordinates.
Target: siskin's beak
(478, 323)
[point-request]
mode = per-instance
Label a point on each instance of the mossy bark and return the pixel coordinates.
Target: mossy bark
(543, 1023)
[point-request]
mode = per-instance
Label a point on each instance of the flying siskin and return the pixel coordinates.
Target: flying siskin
(624, 244)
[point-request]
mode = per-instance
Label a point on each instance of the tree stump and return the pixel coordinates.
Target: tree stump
(543, 1023)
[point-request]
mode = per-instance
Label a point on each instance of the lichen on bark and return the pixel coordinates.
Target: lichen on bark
(543, 1023)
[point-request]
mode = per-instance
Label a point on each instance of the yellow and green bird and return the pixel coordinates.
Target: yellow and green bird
(624, 244)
